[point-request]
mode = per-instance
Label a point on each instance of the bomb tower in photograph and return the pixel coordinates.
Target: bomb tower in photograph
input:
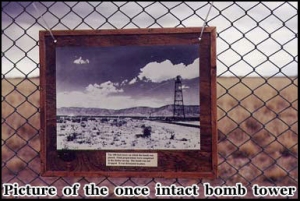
(178, 108)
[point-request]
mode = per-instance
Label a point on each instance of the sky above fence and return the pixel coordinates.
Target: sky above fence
(254, 39)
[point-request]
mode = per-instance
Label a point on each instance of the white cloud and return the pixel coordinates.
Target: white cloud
(134, 80)
(106, 95)
(185, 87)
(158, 72)
(124, 82)
(104, 88)
(81, 61)
(95, 95)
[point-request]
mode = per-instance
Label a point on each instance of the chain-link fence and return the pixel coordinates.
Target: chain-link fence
(257, 85)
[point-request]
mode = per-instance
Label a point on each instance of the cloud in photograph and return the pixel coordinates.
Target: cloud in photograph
(105, 96)
(94, 95)
(111, 95)
(105, 88)
(161, 71)
(81, 61)
(185, 87)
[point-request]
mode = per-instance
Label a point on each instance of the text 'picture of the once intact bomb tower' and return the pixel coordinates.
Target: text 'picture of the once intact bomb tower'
(128, 97)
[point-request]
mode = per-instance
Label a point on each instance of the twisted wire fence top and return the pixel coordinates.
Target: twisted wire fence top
(257, 62)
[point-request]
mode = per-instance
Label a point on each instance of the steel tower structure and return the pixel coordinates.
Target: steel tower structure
(178, 108)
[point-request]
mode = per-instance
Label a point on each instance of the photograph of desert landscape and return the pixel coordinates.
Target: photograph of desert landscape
(108, 99)
(257, 91)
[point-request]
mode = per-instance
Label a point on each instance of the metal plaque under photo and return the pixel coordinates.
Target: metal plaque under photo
(129, 103)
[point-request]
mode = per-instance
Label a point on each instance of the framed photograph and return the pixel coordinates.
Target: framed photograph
(129, 103)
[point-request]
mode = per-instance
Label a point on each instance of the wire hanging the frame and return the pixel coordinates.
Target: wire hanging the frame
(205, 20)
(47, 26)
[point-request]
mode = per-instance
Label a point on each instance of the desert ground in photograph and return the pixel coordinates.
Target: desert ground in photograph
(257, 133)
(106, 133)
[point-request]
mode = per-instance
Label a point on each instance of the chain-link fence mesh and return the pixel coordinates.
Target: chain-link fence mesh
(257, 62)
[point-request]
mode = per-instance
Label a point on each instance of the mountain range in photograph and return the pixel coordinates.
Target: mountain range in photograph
(167, 110)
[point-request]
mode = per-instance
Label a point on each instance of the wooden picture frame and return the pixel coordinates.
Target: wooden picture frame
(159, 162)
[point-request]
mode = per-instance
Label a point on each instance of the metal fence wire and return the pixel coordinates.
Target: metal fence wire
(257, 94)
